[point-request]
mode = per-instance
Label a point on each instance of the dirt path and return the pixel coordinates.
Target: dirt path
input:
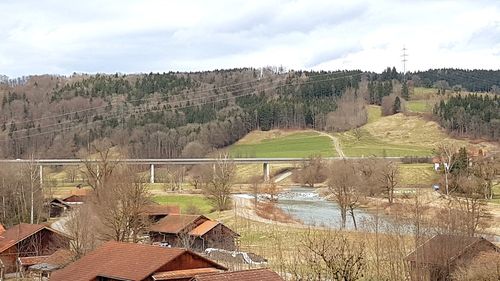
(336, 143)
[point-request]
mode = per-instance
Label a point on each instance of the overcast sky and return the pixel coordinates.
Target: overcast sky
(61, 37)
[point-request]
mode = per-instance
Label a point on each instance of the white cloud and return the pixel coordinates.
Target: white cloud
(142, 36)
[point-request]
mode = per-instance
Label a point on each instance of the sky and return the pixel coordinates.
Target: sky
(62, 37)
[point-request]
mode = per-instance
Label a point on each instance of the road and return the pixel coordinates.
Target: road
(336, 143)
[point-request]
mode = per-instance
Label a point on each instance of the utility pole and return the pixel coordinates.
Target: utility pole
(404, 60)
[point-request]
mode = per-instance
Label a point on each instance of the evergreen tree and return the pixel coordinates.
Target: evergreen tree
(404, 91)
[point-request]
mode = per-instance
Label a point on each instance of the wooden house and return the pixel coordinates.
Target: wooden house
(439, 256)
(27, 240)
(115, 261)
(193, 231)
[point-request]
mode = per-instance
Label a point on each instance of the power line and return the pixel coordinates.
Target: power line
(182, 107)
(404, 60)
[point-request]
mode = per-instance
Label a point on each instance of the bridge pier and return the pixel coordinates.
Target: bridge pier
(152, 174)
(266, 167)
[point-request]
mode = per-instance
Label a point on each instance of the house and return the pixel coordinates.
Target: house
(43, 266)
(193, 231)
(75, 199)
(27, 240)
(439, 256)
(134, 262)
(57, 207)
(261, 274)
(156, 212)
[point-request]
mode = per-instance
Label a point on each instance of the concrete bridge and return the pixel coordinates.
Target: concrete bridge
(266, 162)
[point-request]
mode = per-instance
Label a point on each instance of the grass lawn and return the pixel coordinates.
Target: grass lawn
(419, 105)
(299, 144)
(374, 113)
(421, 93)
(418, 174)
(185, 202)
(369, 145)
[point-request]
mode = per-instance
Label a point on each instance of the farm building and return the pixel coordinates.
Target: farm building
(135, 262)
(27, 240)
(439, 256)
(57, 207)
(193, 231)
(262, 274)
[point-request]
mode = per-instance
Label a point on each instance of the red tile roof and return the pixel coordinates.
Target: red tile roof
(18, 233)
(155, 210)
(122, 261)
(262, 274)
(27, 261)
(185, 273)
(174, 224)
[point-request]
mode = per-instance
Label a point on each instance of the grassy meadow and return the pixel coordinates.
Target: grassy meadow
(283, 144)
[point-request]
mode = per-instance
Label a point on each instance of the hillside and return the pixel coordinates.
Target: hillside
(173, 114)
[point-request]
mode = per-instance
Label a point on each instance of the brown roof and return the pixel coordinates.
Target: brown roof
(185, 273)
(175, 224)
(60, 257)
(18, 233)
(203, 228)
(75, 198)
(27, 261)
(262, 274)
(122, 261)
(155, 210)
(441, 249)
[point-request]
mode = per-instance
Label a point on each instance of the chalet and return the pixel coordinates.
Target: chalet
(115, 261)
(261, 274)
(439, 256)
(27, 240)
(156, 212)
(193, 231)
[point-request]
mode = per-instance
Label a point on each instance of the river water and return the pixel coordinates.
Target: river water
(306, 205)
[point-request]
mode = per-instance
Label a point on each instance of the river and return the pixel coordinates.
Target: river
(306, 205)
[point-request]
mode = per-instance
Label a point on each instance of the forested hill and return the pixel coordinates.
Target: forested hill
(476, 80)
(168, 115)
(161, 115)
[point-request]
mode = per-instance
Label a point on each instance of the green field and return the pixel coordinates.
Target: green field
(419, 106)
(368, 145)
(417, 174)
(301, 144)
(185, 202)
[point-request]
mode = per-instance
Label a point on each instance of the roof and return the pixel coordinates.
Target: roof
(174, 224)
(442, 249)
(262, 274)
(185, 273)
(155, 210)
(122, 261)
(18, 233)
(203, 228)
(75, 198)
(58, 258)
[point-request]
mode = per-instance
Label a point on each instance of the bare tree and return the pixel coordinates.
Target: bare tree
(218, 190)
(389, 178)
(343, 184)
(81, 226)
(119, 207)
(328, 255)
(445, 152)
(312, 172)
(99, 164)
(256, 188)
